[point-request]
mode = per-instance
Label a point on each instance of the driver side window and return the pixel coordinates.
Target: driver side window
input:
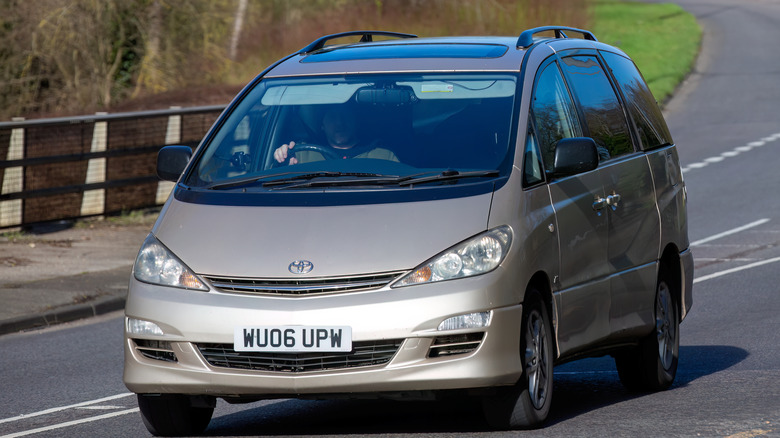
(554, 113)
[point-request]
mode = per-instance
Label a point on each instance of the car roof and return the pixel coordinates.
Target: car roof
(408, 53)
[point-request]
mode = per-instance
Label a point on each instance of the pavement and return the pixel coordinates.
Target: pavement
(67, 271)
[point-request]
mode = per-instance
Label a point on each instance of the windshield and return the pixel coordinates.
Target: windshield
(377, 128)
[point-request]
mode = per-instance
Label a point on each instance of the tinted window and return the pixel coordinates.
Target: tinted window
(604, 117)
(642, 106)
(389, 124)
(553, 112)
(532, 163)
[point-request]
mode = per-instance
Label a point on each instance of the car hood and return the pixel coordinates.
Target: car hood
(262, 242)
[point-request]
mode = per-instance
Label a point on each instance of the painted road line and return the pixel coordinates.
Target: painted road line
(70, 423)
(62, 408)
(732, 153)
(737, 269)
(730, 232)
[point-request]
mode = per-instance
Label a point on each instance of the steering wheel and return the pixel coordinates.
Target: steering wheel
(327, 152)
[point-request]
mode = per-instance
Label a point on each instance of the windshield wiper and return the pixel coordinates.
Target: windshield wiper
(305, 180)
(243, 181)
(298, 176)
(448, 175)
(333, 179)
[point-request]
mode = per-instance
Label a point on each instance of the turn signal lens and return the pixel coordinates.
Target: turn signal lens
(140, 327)
(469, 321)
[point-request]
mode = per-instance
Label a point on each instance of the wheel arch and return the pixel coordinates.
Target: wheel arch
(540, 282)
(670, 261)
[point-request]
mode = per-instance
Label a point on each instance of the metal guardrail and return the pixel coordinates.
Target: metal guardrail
(73, 167)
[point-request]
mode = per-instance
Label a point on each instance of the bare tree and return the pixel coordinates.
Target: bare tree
(238, 23)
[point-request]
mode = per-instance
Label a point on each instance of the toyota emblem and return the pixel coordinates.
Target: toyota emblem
(300, 267)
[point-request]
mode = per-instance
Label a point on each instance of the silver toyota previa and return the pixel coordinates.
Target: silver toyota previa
(415, 217)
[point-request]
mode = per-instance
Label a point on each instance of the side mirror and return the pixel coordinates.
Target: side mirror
(575, 155)
(171, 161)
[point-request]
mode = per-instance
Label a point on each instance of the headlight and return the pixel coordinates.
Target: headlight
(478, 255)
(156, 265)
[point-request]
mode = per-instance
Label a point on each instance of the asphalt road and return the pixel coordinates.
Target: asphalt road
(66, 381)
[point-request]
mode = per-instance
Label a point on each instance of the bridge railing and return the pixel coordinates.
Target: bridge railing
(74, 167)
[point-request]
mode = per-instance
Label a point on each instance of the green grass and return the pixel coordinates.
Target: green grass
(12, 236)
(662, 39)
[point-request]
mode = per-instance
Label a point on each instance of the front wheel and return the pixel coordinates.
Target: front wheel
(175, 414)
(652, 366)
(526, 404)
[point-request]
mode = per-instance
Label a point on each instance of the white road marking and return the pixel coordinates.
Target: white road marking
(717, 259)
(70, 423)
(730, 232)
(62, 408)
(732, 153)
(737, 269)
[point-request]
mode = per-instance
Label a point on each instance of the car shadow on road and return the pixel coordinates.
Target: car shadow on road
(580, 387)
(591, 384)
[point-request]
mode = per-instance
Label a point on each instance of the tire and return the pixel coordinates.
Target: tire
(174, 414)
(652, 365)
(526, 405)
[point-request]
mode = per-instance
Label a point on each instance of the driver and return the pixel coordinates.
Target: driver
(341, 133)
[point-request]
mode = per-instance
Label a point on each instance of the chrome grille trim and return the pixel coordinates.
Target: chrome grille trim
(363, 354)
(157, 350)
(451, 345)
(304, 286)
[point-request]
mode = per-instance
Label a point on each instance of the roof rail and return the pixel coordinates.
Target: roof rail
(366, 37)
(527, 37)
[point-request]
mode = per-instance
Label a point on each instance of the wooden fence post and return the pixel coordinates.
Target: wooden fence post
(13, 179)
(172, 136)
(94, 201)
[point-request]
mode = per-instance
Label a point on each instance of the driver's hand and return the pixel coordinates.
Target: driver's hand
(280, 154)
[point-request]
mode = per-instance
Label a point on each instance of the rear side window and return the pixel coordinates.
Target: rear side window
(650, 123)
(603, 114)
(554, 113)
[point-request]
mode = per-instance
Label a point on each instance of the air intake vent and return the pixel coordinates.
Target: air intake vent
(455, 344)
(363, 354)
(157, 350)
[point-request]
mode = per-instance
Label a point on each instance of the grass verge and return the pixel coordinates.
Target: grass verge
(662, 38)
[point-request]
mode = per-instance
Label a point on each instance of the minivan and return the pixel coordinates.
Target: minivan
(403, 217)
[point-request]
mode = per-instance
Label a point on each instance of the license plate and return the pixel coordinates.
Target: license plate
(292, 339)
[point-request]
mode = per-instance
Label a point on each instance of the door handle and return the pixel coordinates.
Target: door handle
(613, 200)
(599, 204)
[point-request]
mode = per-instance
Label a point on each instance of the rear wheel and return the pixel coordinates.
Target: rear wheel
(652, 366)
(527, 403)
(175, 414)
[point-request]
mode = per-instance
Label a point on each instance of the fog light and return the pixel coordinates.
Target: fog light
(468, 321)
(141, 327)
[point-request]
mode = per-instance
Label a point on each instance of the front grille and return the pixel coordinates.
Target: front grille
(451, 345)
(157, 350)
(308, 286)
(363, 354)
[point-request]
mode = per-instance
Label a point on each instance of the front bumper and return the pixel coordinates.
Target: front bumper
(412, 314)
